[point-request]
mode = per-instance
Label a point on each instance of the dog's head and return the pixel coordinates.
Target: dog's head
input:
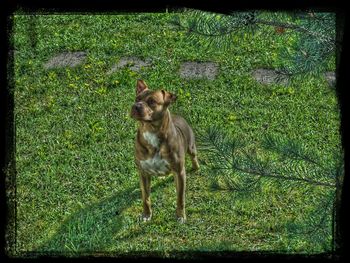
(150, 105)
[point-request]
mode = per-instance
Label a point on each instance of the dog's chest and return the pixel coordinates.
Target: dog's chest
(152, 139)
(156, 164)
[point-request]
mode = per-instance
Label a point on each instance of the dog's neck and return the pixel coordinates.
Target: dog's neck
(160, 127)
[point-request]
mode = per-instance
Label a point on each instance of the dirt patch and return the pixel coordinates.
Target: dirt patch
(66, 59)
(269, 76)
(133, 63)
(195, 70)
(331, 78)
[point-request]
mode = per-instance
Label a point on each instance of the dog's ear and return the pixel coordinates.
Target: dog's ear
(140, 86)
(168, 97)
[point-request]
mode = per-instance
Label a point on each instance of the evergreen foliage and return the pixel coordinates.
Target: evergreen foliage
(314, 34)
(239, 170)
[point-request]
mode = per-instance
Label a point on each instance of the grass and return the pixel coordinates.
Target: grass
(77, 185)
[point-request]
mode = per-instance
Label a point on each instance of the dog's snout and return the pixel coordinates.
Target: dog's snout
(138, 106)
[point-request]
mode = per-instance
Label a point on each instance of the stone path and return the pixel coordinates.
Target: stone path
(188, 69)
(134, 63)
(269, 76)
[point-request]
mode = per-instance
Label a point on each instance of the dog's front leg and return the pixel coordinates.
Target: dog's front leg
(145, 182)
(180, 181)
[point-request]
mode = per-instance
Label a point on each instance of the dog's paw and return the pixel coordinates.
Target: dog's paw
(195, 170)
(145, 218)
(195, 166)
(181, 220)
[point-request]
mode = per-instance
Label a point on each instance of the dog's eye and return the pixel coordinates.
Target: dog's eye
(151, 102)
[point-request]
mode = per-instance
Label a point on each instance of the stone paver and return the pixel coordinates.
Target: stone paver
(66, 59)
(196, 70)
(331, 78)
(269, 76)
(134, 64)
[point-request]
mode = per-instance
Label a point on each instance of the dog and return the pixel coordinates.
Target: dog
(161, 143)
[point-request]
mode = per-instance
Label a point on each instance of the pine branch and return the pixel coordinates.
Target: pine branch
(322, 221)
(275, 175)
(316, 39)
(222, 154)
(315, 223)
(243, 172)
(296, 28)
(293, 150)
(289, 149)
(208, 25)
(203, 20)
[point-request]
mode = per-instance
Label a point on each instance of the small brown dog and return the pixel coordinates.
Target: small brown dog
(161, 144)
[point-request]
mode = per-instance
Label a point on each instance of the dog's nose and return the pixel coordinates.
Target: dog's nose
(138, 106)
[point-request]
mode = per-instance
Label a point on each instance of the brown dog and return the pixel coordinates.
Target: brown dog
(161, 144)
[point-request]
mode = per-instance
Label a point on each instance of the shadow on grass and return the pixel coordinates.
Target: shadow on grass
(94, 229)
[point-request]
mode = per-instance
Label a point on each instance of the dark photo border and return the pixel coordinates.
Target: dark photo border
(8, 146)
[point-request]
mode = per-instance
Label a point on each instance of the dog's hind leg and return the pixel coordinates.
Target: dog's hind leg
(192, 151)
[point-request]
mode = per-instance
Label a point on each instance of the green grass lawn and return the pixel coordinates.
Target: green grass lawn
(77, 185)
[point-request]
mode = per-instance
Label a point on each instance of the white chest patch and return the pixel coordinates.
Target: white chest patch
(151, 138)
(155, 165)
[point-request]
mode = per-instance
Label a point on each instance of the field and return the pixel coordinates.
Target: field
(77, 185)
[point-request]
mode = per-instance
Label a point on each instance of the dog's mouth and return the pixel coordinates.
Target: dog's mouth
(135, 112)
(138, 115)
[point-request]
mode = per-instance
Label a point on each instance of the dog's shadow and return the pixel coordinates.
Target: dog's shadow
(93, 228)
